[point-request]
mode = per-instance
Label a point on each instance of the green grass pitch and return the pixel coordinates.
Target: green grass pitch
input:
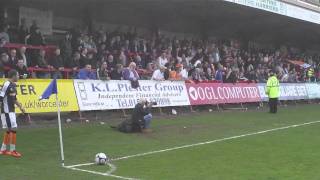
(287, 154)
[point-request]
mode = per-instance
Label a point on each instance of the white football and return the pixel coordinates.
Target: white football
(101, 159)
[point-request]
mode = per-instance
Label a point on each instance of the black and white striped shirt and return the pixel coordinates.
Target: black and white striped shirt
(8, 97)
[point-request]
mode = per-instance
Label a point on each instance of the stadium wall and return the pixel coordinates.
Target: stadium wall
(87, 95)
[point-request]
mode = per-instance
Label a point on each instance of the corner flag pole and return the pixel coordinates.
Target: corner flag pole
(53, 89)
(60, 131)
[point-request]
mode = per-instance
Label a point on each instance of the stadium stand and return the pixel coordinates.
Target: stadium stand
(195, 60)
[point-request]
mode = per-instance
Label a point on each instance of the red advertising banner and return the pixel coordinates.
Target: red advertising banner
(219, 93)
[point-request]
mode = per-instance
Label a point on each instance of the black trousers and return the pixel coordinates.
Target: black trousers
(273, 105)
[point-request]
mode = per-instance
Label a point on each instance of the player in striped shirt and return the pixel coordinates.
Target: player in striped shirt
(8, 101)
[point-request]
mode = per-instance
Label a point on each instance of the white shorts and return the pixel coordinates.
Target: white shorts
(9, 120)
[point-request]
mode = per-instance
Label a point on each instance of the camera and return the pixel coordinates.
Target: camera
(153, 103)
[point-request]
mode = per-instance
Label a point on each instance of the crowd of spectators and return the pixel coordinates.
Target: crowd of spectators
(121, 55)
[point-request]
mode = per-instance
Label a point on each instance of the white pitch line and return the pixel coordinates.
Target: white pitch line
(79, 165)
(100, 173)
(213, 141)
(113, 168)
(73, 167)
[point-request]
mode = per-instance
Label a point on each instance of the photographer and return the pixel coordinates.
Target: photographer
(142, 115)
(140, 120)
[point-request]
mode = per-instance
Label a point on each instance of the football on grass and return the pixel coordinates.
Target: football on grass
(101, 159)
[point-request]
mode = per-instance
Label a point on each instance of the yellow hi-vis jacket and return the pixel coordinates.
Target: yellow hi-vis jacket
(310, 72)
(273, 88)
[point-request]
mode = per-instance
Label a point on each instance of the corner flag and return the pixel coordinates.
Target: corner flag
(51, 89)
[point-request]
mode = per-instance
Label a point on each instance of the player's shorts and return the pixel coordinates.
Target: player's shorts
(9, 120)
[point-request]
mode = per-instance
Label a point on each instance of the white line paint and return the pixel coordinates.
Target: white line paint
(79, 165)
(100, 173)
(73, 167)
(213, 141)
(113, 168)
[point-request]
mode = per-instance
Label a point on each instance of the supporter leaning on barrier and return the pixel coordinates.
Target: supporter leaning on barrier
(87, 73)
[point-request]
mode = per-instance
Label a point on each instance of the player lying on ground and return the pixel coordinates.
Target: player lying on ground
(8, 101)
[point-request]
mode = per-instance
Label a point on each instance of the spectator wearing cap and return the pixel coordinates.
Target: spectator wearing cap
(4, 33)
(22, 69)
(158, 74)
(57, 63)
(130, 73)
(116, 74)
(87, 73)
